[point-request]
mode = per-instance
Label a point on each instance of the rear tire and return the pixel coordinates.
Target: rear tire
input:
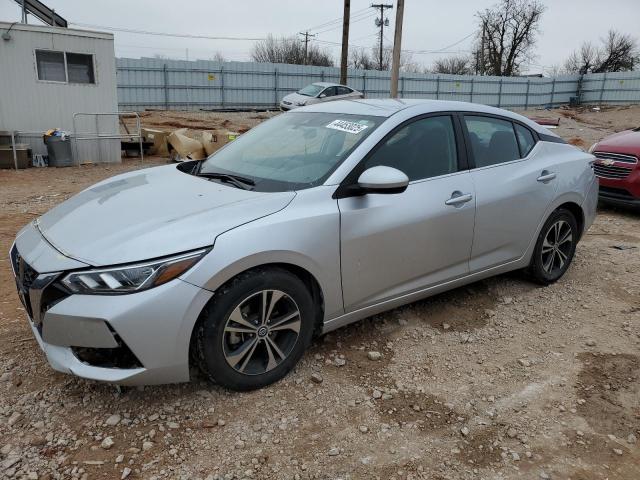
(256, 329)
(555, 247)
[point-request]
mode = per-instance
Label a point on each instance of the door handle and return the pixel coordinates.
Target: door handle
(546, 176)
(458, 198)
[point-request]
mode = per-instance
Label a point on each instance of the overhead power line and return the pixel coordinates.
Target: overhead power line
(366, 16)
(164, 34)
(250, 39)
(417, 52)
(337, 20)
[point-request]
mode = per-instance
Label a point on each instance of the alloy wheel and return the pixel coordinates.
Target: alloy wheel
(261, 332)
(556, 247)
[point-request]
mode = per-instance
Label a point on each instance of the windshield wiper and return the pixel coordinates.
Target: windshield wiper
(236, 180)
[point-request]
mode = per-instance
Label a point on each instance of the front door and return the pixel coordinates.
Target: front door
(394, 244)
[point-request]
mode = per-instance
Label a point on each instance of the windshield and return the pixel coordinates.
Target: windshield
(311, 90)
(293, 150)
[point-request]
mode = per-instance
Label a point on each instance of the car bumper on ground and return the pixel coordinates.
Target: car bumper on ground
(133, 339)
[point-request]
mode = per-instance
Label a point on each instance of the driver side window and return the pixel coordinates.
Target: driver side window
(422, 149)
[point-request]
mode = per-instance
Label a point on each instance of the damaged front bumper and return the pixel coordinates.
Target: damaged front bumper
(133, 339)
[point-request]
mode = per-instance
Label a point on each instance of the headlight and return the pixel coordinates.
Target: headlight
(131, 278)
(592, 148)
(301, 104)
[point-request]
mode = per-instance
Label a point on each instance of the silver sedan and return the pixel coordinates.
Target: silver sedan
(314, 219)
(318, 93)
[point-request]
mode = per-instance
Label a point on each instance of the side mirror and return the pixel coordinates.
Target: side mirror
(322, 95)
(383, 179)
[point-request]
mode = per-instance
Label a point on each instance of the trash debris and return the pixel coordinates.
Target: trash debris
(623, 247)
(40, 160)
(216, 140)
(547, 122)
(56, 132)
(159, 138)
(184, 148)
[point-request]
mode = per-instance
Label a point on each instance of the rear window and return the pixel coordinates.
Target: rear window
(493, 141)
(525, 139)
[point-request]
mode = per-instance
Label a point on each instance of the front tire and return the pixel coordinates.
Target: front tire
(256, 329)
(555, 247)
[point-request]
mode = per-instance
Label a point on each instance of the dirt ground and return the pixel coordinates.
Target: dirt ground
(502, 379)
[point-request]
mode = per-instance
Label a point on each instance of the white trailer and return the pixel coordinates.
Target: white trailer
(48, 75)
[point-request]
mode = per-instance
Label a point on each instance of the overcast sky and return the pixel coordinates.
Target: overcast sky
(429, 24)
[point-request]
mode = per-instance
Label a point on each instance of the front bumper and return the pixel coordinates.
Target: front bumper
(76, 332)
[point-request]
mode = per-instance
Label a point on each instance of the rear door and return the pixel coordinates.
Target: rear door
(344, 93)
(514, 182)
(395, 244)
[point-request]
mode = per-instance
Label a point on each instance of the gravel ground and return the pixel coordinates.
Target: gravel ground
(502, 379)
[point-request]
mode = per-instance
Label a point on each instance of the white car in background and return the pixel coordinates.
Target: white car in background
(317, 93)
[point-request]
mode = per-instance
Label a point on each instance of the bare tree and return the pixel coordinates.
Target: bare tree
(362, 59)
(618, 53)
(506, 36)
(452, 65)
(218, 57)
(289, 50)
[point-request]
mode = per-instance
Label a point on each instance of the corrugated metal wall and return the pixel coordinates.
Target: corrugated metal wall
(32, 106)
(183, 85)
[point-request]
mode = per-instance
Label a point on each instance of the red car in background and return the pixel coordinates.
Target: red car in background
(617, 167)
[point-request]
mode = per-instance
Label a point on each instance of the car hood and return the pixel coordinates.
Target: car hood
(151, 213)
(296, 97)
(622, 142)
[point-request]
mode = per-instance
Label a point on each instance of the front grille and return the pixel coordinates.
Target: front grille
(36, 291)
(615, 172)
(617, 157)
(24, 276)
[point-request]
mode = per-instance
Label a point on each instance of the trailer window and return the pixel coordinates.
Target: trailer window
(80, 68)
(65, 67)
(51, 66)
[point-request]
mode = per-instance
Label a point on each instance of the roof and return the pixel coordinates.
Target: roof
(327, 84)
(30, 27)
(389, 106)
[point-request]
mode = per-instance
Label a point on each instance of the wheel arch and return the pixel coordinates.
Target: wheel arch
(577, 212)
(304, 275)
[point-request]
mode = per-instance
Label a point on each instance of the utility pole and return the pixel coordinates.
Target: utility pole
(381, 22)
(345, 42)
(306, 36)
(397, 45)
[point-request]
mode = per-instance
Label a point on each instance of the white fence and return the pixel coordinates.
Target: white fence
(149, 83)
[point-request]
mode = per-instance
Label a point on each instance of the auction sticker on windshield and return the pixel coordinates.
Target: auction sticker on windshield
(346, 126)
